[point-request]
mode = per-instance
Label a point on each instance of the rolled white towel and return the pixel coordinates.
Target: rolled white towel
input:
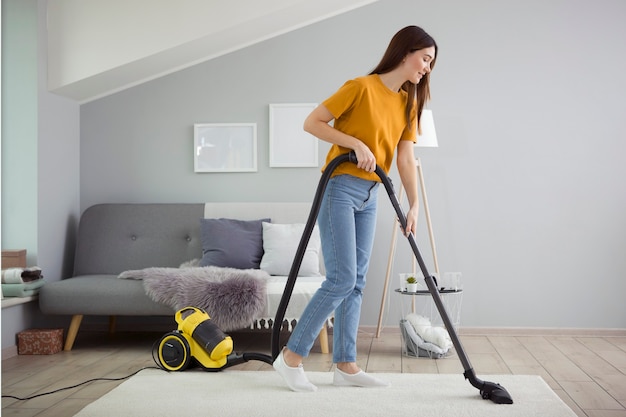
(12, 276)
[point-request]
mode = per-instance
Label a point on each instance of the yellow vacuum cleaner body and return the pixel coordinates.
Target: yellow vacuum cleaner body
(197, 337)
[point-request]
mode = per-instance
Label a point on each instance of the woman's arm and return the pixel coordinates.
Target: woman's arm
(408, 176)
(316, 124)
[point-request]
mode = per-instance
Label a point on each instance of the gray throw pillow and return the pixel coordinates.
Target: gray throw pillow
(232, 243)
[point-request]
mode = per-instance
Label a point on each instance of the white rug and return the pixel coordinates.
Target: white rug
(154, 393)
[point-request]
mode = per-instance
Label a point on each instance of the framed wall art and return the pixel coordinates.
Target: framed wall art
(225, 147)
(289, 144)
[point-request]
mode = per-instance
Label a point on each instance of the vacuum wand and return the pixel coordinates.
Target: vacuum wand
(488, 390)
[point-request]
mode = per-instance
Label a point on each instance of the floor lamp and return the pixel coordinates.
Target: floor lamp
(428, 138)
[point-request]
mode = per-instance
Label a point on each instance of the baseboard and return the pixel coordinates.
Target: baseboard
(541, 331)
(9, 352)
(128, 327)
(518, 331)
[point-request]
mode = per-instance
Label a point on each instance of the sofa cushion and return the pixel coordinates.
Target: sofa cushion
(280, 243)
(232, 243)
(99, 295)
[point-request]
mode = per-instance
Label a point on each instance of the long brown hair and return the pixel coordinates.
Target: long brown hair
(407, 40)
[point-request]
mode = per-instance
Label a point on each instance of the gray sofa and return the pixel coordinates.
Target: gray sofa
(113, 238)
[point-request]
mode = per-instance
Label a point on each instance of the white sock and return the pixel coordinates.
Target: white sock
(294, 376)
(360, 379)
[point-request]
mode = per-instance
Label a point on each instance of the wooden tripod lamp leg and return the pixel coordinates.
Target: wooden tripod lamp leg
(392, 250)
(392, 253)
(431, 236)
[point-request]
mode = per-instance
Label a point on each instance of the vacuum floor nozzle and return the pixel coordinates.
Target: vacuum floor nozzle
(496, 393)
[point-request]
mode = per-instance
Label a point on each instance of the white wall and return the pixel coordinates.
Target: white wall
(19, 145)
(40, 159)
(525, 189)
(19, 126)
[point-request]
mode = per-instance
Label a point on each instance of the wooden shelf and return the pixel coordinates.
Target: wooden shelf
(13, 301)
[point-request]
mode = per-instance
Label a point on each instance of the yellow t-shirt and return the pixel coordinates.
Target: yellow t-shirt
(368, 110)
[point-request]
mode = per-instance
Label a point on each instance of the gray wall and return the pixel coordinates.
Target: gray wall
(525, 190)
(58, 205)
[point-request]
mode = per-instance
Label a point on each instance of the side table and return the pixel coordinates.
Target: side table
(426, 307)
(452, 299)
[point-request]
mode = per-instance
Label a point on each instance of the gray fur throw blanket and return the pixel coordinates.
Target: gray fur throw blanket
(233, 298)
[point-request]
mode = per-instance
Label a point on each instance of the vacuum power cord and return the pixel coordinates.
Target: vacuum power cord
(78, 385)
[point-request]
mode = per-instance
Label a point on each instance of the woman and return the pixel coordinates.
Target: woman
(373, 115)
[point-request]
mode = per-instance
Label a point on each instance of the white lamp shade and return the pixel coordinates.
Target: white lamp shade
(428, 138)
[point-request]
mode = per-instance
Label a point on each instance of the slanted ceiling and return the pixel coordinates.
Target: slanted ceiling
(96, 48)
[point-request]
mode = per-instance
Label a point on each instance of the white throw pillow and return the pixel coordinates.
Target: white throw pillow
(280, 243)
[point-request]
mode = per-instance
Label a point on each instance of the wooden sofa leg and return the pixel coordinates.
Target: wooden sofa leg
(112, 324)
(324, 339)
(73, 331)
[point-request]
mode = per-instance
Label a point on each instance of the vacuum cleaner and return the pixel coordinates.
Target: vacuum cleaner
(198, 340)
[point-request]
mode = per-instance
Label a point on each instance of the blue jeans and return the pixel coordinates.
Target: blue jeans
(347, 222)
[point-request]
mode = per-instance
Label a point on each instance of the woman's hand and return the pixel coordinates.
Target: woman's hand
(408, 176)
(316, 124)
(365, 158)
(411, 221)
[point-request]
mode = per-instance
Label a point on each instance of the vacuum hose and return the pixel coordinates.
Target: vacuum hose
(304, 241)
(235, 359)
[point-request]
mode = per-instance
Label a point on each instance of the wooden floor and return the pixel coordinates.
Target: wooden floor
(587, 372)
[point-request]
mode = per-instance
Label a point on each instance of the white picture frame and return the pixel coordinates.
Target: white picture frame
(225, 147)
(289, 145)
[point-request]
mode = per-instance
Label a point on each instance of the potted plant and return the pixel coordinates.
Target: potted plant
(411, 284)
